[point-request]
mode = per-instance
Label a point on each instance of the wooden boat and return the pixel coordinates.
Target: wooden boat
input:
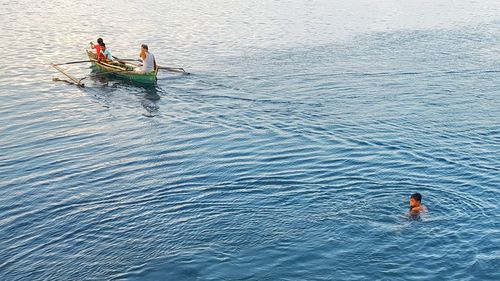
(124, 70)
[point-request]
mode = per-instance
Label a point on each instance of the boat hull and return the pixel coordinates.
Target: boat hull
(125, 71)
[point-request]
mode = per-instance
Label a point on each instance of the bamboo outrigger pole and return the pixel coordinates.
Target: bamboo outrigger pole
(77, 82)
(172, 69)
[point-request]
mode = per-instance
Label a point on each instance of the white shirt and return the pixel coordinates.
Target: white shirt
(148, 63)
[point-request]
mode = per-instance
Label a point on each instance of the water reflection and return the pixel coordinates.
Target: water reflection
(111, 90)
(150, 100)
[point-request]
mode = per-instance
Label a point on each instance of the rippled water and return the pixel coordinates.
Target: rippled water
(288, 154)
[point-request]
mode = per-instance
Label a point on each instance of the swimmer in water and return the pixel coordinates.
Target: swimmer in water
(416, 206)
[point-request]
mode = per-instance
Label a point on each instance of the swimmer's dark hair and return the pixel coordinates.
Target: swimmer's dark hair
(144, 46)
(417, 196)
(99, 41)
(103, 45)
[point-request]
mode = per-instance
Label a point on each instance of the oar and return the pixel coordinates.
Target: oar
(118, 59)
(77, 82)
(174, 69)
(73, 62)
(124, 60)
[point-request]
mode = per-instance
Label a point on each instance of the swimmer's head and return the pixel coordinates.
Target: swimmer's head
(415, 199)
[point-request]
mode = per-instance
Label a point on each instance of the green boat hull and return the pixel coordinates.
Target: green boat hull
(125, 71)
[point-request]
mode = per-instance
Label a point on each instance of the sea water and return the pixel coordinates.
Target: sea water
(289, 153)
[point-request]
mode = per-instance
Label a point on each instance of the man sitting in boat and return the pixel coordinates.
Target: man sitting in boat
(148, 60)
(97, 48)
(105, 54)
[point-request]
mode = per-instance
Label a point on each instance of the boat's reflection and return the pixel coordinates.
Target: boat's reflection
(150, 101)
(108, 87)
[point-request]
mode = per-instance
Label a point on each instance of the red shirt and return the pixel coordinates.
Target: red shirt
(98, 53)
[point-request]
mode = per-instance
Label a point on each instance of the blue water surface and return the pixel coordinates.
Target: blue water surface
(289, 153)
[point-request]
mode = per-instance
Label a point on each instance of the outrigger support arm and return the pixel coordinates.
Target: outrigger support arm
(76, 81)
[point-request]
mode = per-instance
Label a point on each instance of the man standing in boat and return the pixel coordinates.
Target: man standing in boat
(148, 60)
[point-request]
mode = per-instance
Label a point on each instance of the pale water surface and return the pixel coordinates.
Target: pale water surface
(288, 154)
